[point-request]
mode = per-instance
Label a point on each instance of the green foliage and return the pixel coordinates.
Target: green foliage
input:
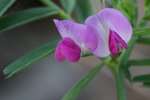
(144, 31)
(4, 5)
(29, 58)
(129, 8)
(145, 79)
(81, 84)
(146, 10)
(140, 62)
(146, 84)
(123, 59)
(68, 5)
(144, 40)
(83, 9)
(126, 53)
(142, 78)
(61, 13)
(147, 3)
(26, 16)
(146, 17)
(50, 4)
(114, 2)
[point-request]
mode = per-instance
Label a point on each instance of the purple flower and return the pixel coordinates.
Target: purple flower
(113, 31)
(74, 38)
(105, 33)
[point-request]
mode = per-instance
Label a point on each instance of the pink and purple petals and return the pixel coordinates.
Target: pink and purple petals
(101, 23)
(77, 32)
(116, 44)
(94, 24)
(59, 56)
(67, 49)
(68, 28)
(90, 40)
(104, 33)
(116, 21)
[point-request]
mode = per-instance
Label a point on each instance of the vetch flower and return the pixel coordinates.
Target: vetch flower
(112, 29)
(105, 33)
(75, 37)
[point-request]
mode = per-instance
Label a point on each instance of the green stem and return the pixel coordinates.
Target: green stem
(120, 86)
(123, 59)
(118, 73)
(64, 15)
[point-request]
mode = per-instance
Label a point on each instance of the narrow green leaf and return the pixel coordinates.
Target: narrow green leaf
(68, 5)
(142, 78)
(146, 84)
(142, 31)
(26, 16)
(4, 5)
(84, 9)
(26, 60)
(146, 10)
(144, 40)
(146, 17)
(140, 62)
(61, 12)
(81, 84)
(114, 2)
(50, 4)
(146, 2)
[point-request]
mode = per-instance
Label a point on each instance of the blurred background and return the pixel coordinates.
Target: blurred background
(50, 80)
